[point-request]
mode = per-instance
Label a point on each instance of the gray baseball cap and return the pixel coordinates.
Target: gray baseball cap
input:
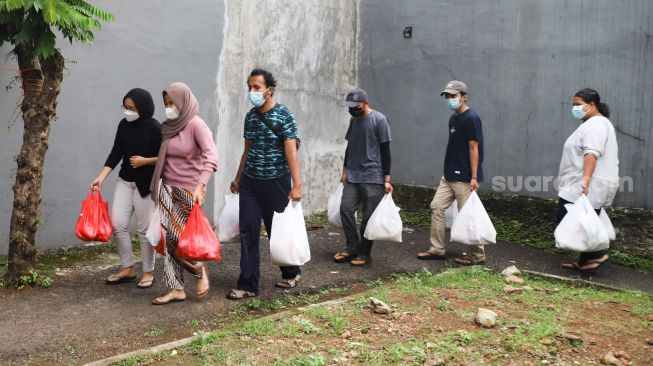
(455, 87)
(355, 97)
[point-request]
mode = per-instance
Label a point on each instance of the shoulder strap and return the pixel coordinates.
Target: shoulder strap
(265, 121)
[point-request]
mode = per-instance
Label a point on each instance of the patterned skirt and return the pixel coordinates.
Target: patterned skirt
(175, 205)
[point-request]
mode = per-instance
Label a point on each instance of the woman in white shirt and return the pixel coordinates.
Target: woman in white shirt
(589, 166)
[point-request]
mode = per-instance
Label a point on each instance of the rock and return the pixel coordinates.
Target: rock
(486, 318)
(519, 300)
(346, 335)
(510, 271)
(435, 361)
(379, 307)
(617, 359)
(551, 307)
(649, 342)
(623, 357)
(574, 339)
(547, 341)
(650, 318)
(514, 279)
(512, 290)
(527, 288)
(173, 353)
(353, 354)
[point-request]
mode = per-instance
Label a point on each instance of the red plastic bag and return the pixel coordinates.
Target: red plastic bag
(94, 222)
(198, 241)
(161, 247)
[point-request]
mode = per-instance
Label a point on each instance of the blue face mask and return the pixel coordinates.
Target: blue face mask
(453, 103)
(256, 98)
(578, 112)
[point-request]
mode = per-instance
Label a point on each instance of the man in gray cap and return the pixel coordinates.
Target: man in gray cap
(463, 171)
(365, 174)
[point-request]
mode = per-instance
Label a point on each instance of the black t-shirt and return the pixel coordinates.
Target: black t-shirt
(143, 138)
(463, 128)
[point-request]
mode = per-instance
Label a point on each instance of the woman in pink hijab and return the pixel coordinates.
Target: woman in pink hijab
(187, 160)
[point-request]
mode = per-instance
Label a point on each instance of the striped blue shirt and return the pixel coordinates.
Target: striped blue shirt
(266, 158)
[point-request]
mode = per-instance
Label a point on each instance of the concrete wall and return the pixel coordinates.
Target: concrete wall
(523, 61)
(151, 44)
(310, 47)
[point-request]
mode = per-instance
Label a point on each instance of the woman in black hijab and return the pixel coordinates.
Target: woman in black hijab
(137, 144)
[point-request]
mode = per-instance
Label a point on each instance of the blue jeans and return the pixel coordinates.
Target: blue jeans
(259, 198)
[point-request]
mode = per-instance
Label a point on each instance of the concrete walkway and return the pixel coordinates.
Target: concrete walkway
(80, 314)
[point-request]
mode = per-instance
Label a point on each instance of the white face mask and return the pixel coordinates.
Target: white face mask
(130, 116)
(172, 113)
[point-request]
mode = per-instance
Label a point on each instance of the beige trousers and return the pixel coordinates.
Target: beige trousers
(446, 193)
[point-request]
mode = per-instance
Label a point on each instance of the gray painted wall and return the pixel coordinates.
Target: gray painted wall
(310, 47)
(523, 61)
(151, 44)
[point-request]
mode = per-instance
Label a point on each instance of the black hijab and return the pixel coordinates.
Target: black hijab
(140, 137)
(143, 102)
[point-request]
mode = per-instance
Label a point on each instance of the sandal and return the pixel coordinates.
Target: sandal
(166, 299)
(343, 257)
(467, 260)
(430, 255)
(360, 262)
(584, 268)
(119, 280)
(145, 284)
(288, 283)
(236, 294)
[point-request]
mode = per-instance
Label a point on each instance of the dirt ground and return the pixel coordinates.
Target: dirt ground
(80, 319)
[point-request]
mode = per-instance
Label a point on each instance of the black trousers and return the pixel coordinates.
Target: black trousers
(561, 212)
(259, 198)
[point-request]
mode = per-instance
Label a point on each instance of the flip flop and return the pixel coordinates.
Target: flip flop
(344, 257)
(236, 294)
(141, 286)
(572, 265)
(123, 279)
(466, 260)
(172, 299)
(361, 262)
(288, 283)
(579, 268)
(431, 256)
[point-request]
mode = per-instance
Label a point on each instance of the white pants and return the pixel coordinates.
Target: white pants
(126, 201)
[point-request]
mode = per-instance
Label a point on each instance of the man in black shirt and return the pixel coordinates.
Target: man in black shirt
(463, 171)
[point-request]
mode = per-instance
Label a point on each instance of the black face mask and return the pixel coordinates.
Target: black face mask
(356, 112)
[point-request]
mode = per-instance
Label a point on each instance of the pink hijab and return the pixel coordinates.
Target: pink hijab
(185, 101)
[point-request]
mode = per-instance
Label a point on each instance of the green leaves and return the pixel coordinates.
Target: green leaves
(31, 23)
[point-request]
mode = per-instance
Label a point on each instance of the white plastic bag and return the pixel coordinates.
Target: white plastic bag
(605, 220)
(288, 240)
(450, 214)
(333, 207)
(228, 222)
(153, 234)
(473, 225)
(581, 230)
(385, 223)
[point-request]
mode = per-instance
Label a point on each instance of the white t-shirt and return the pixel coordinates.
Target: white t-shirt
(595, 136)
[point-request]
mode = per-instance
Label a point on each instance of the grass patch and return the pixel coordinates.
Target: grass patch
(533, 231)
(318, 218)
(315, 336)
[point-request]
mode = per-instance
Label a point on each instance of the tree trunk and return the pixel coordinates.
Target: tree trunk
(41, 83)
